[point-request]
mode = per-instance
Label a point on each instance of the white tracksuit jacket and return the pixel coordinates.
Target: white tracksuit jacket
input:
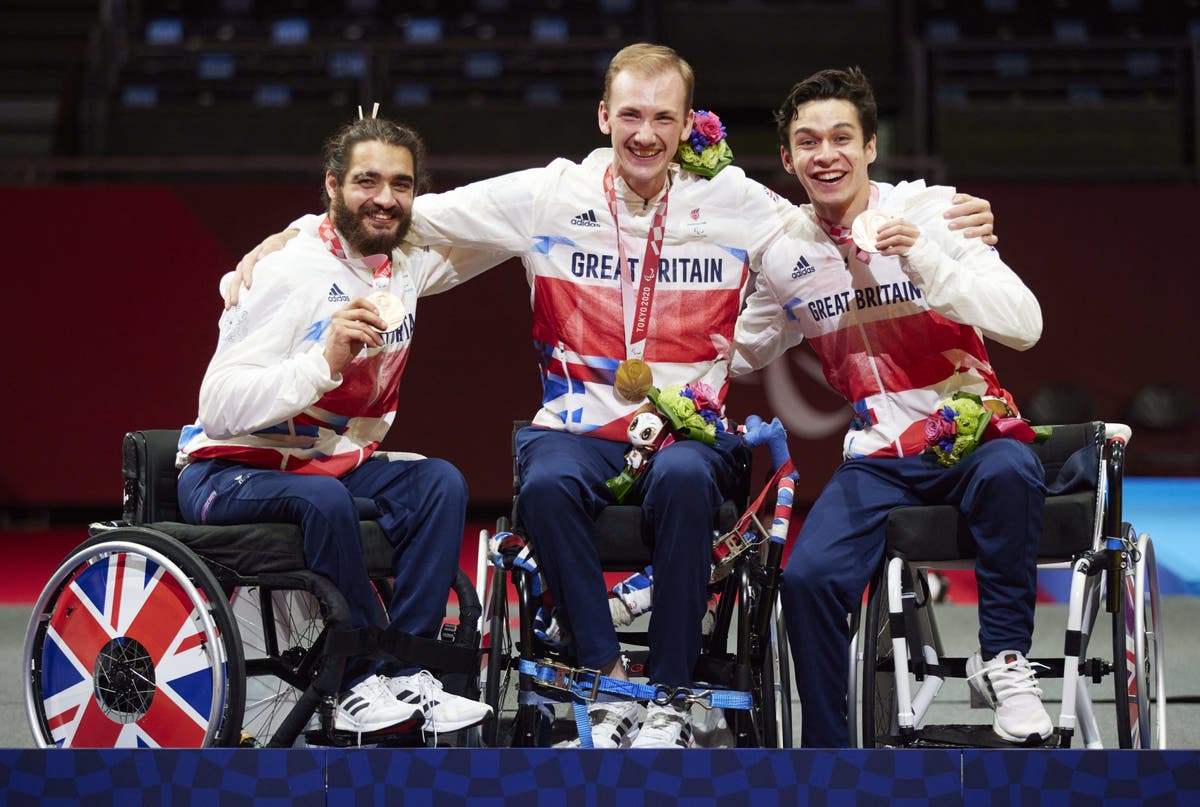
(558, 220)
(268, 398)
(895, 335)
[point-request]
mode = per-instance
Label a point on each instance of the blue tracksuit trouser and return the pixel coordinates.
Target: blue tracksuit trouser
(999, 488)
(422, 511)
(562, 492)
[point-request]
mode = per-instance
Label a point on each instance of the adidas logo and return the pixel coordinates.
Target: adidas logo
(336, 295)
(802, 268)
(587, 219)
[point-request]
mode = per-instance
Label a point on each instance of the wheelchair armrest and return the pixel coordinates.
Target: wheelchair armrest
(150, 477)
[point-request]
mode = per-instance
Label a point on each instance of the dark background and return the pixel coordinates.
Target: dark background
(145, 146)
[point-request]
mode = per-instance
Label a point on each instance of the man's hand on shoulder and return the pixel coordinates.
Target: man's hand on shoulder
(351, 328)
(973, 216)
(243, 275)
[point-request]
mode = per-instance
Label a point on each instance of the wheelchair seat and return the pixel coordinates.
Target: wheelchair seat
(260, 640)
(939, 533)
(151, 498)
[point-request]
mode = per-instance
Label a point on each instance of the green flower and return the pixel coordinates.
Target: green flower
(680, 410)
(708, 162)
(971, 418)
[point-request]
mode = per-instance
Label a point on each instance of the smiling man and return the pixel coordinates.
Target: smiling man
(631, 260)
(302, 388)
(896, 306)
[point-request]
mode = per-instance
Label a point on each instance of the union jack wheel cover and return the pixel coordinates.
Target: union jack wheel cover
(129, 654)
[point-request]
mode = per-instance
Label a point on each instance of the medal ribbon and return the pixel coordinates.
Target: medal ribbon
(378, 265)
(636, 301)
(844, 235)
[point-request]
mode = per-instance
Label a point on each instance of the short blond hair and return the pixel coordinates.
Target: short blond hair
(647, 59)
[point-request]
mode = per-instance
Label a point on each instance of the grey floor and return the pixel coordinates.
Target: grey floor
(957, 624)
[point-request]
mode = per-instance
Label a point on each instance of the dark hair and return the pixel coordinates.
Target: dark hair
(849, 84)
(338, 147)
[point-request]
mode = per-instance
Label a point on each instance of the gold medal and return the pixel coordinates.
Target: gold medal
(391, 308)
(633, 380)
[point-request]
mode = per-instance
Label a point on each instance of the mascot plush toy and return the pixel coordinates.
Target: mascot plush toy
(646, 434)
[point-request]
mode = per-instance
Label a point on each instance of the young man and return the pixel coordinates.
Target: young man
(301, 390)
(587, 233)
(898, 324)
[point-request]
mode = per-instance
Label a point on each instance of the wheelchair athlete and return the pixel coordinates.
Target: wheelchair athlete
(302, 389)
(897, 318)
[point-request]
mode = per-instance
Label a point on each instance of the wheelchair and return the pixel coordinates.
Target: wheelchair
(156, 633)
(904, 663)
(744, 652)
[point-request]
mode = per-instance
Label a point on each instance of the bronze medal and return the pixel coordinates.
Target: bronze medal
(391, 308)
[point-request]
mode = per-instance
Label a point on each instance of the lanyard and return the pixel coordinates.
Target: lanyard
(637, 301)
(379, 265)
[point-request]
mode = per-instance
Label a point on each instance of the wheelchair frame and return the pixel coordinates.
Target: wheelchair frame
(758, 663)
(102, 672)
(901, 645)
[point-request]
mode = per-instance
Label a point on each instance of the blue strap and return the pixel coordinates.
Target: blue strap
(583, 723)
(585, 685)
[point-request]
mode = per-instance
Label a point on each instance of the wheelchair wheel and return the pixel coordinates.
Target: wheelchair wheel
(774, 698)
(498, 685)
(131, 644)
(1145, 663)
(878, 670)
(279, 628)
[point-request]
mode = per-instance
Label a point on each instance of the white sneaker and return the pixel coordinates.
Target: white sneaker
(614, 725)
(443, 711)
(369, 706)
(665, 727)
(1009, 685)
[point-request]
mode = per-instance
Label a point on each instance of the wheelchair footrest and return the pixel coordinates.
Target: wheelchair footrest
(962, 736)
(402, 735)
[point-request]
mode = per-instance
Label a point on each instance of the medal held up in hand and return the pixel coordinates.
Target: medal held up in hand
(633, 380)
(391, 308)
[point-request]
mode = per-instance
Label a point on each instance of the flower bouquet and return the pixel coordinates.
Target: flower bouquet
(691, 412)
(707, 151)
(964, 420)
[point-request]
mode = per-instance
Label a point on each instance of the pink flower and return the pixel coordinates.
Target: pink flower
(709, 125)
(941, 428)
(704, 396)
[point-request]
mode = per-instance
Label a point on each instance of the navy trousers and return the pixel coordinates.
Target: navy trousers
(422, 511)
(562, 492)
(999, 488)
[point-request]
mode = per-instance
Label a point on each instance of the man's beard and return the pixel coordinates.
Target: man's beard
(351, 225)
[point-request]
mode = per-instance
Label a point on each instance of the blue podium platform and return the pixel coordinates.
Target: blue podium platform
(579, 778)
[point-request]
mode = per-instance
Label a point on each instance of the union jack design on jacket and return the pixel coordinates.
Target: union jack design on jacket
(557, 219)
(895, 335)
(268, 398)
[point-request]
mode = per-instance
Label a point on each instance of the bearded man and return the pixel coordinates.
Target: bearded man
(303, 387)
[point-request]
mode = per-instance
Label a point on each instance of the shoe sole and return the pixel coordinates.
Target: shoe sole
(1027, 741)
(455, 725)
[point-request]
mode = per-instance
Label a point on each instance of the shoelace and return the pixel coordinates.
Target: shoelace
(1023, 680)
(428, 687)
